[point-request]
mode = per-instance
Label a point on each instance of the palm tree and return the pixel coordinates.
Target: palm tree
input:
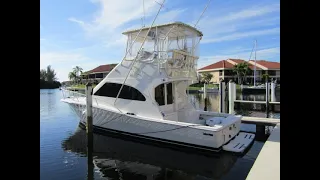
(77, 71)
(72, 76)
(242, 70)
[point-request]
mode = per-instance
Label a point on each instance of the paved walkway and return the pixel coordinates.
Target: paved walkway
(267, 164)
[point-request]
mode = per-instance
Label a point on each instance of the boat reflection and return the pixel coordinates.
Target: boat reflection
(121, 159)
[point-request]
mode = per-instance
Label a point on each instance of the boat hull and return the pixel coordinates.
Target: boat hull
(130, 125)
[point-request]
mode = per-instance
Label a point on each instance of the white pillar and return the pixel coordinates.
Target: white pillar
(273, 91)
(234, 91)
(222, 91)
(231, 97)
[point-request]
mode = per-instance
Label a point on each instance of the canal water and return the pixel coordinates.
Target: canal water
(63, 151)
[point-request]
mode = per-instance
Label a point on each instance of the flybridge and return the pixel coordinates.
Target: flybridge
(173, 47)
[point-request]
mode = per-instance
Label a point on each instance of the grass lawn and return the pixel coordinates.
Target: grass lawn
(81, 86)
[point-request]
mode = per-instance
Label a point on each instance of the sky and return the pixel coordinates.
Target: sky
(88, 33)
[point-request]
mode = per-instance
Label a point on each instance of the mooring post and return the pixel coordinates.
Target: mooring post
(231, 97)
(260, 132)
(267, 98)
(222, 92)
(273, 91)
(89, 129)
(205, 97)
(234, 91)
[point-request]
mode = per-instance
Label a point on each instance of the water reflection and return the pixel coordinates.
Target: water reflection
(120, 159)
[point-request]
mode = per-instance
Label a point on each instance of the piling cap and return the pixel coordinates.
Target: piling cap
(221, 80)
(89, 84)
(231, 81)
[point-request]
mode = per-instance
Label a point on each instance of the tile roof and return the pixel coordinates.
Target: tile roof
(228, 65)
(269, 64)
(101, 68)
(219, 64)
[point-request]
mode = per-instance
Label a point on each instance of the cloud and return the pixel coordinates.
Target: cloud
(236, 36)
(246, 14)
(63, 63)
(76, 20)
(263, 54)
(219, 28)
(60, 58)
(113, 14)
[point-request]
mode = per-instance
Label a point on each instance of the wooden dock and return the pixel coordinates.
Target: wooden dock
(256, 102)
(267, 164)
(260, 121)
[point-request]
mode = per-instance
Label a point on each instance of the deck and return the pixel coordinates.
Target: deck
(267, 164)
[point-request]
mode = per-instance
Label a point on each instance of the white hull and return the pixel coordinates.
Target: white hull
(167, 131)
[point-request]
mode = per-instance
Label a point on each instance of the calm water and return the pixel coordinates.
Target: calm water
(63, 152)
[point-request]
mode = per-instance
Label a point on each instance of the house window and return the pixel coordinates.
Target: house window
(164, 97)
(127, 92)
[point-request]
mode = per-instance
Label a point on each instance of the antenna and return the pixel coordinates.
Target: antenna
(144, 15)
(202, 13)
(255, 63)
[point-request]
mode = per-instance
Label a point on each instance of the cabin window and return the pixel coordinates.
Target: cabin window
(169, 93)
(127, 92)
(164, 97)
(159, 94)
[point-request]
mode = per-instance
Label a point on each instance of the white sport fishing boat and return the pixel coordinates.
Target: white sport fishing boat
(144, 96)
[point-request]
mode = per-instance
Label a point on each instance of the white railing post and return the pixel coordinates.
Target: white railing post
(222, 92)
(231, 97)
(273, 91)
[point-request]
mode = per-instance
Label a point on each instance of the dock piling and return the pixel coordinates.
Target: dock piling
(231, 97)
(205, 97)
(222, 92)
(273, 91)
(89, 130)
(267, 98)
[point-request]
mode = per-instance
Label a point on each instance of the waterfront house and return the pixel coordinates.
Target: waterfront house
(224, 70)
(98, 73)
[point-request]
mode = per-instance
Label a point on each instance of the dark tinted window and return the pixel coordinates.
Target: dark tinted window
(169, 93)
(159, 94)
(127, 92)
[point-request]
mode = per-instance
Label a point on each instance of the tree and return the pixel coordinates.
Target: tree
(75, 74)
(206, 77)
(43, 74)
(72, 76)
(242, 70)
(48, 79)
(77, 70)
(265, 77)
(50, 74)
